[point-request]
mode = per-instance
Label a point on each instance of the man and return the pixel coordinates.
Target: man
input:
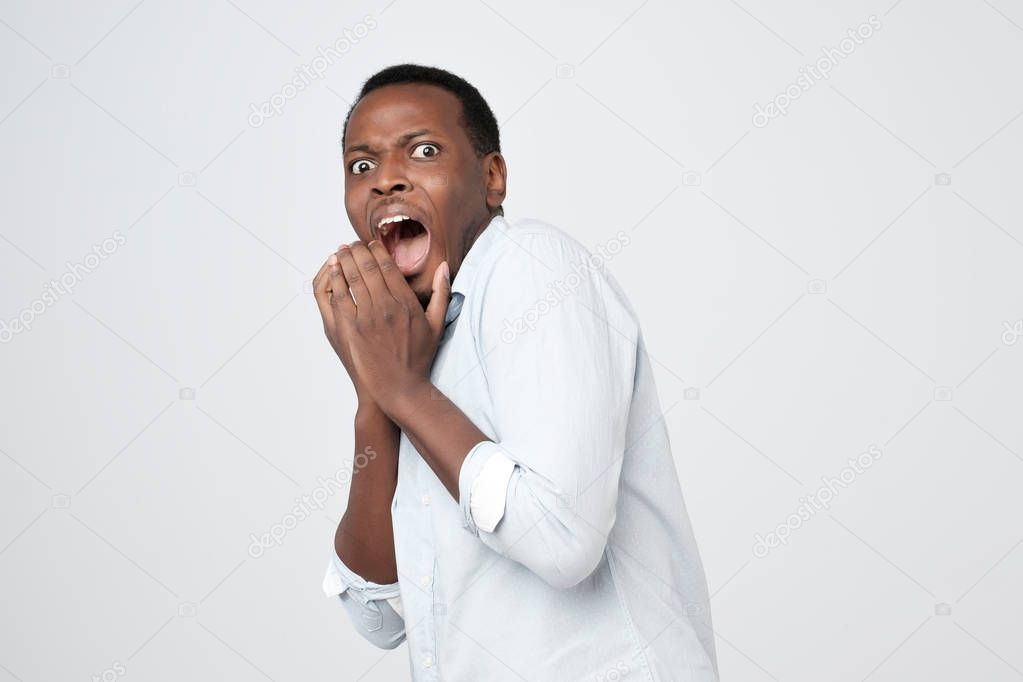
(514, 512)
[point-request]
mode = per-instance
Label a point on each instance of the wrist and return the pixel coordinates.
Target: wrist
(369, 413)
(406, 401)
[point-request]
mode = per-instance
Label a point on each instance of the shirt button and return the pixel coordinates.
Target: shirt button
(426, 500)
(425, 580)
(427, 661)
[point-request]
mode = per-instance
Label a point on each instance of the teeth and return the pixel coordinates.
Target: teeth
(388, 221)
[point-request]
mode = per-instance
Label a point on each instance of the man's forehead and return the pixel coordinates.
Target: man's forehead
(386, 114)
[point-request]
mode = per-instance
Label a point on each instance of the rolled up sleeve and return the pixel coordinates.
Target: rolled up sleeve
(558, 343)
(483, 486)
(374, 610)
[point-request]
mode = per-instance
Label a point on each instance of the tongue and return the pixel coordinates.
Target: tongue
(408, 251)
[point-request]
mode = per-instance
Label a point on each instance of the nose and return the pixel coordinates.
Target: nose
(390, 177)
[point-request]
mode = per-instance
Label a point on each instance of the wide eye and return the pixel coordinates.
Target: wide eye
(361, 166)
(426, 150)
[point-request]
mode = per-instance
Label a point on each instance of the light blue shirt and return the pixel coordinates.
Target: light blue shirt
(570, 555)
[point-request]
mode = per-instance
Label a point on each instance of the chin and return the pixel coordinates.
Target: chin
(421, 282)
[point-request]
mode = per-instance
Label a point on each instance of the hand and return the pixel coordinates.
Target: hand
(391, 340)
(324, 293)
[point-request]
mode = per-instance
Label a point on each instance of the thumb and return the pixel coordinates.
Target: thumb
(438, 306)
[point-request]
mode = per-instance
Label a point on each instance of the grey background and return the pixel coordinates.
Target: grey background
(846, 276)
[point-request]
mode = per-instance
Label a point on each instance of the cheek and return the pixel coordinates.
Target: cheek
(361, 232)
(354, 218)
(438, 248)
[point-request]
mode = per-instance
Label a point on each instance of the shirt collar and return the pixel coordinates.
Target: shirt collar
(469, 269)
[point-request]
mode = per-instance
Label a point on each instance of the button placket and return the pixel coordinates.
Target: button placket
(423, 573)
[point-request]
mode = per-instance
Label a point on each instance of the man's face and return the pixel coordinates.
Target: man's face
(406, 154)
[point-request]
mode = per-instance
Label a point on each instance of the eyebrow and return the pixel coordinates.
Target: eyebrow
(402, 141)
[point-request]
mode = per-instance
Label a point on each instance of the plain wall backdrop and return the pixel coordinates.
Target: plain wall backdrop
(826, 241)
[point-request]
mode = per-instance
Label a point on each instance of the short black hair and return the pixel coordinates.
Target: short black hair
(477, 118)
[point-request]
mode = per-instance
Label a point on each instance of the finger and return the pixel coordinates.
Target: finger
(340, 297)
(353, 276)
(437, 309)
(393, 278)
(371, 275)
(323, 275)
(322, 290)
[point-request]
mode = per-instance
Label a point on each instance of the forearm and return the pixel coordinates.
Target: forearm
(364, 539)
(544, 525)
(440, 431)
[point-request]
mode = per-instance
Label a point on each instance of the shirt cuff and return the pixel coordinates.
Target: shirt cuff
(396, 604)
(339, 578)
(483, 486)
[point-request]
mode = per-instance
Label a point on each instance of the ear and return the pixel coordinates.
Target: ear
(495, 178)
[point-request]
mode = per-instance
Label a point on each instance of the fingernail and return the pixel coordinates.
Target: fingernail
(447, 272)
(332, 260)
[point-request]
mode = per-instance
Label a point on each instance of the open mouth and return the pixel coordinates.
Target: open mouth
(408, 242)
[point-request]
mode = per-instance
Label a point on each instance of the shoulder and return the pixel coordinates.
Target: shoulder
(541, 250)
(536, 264)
